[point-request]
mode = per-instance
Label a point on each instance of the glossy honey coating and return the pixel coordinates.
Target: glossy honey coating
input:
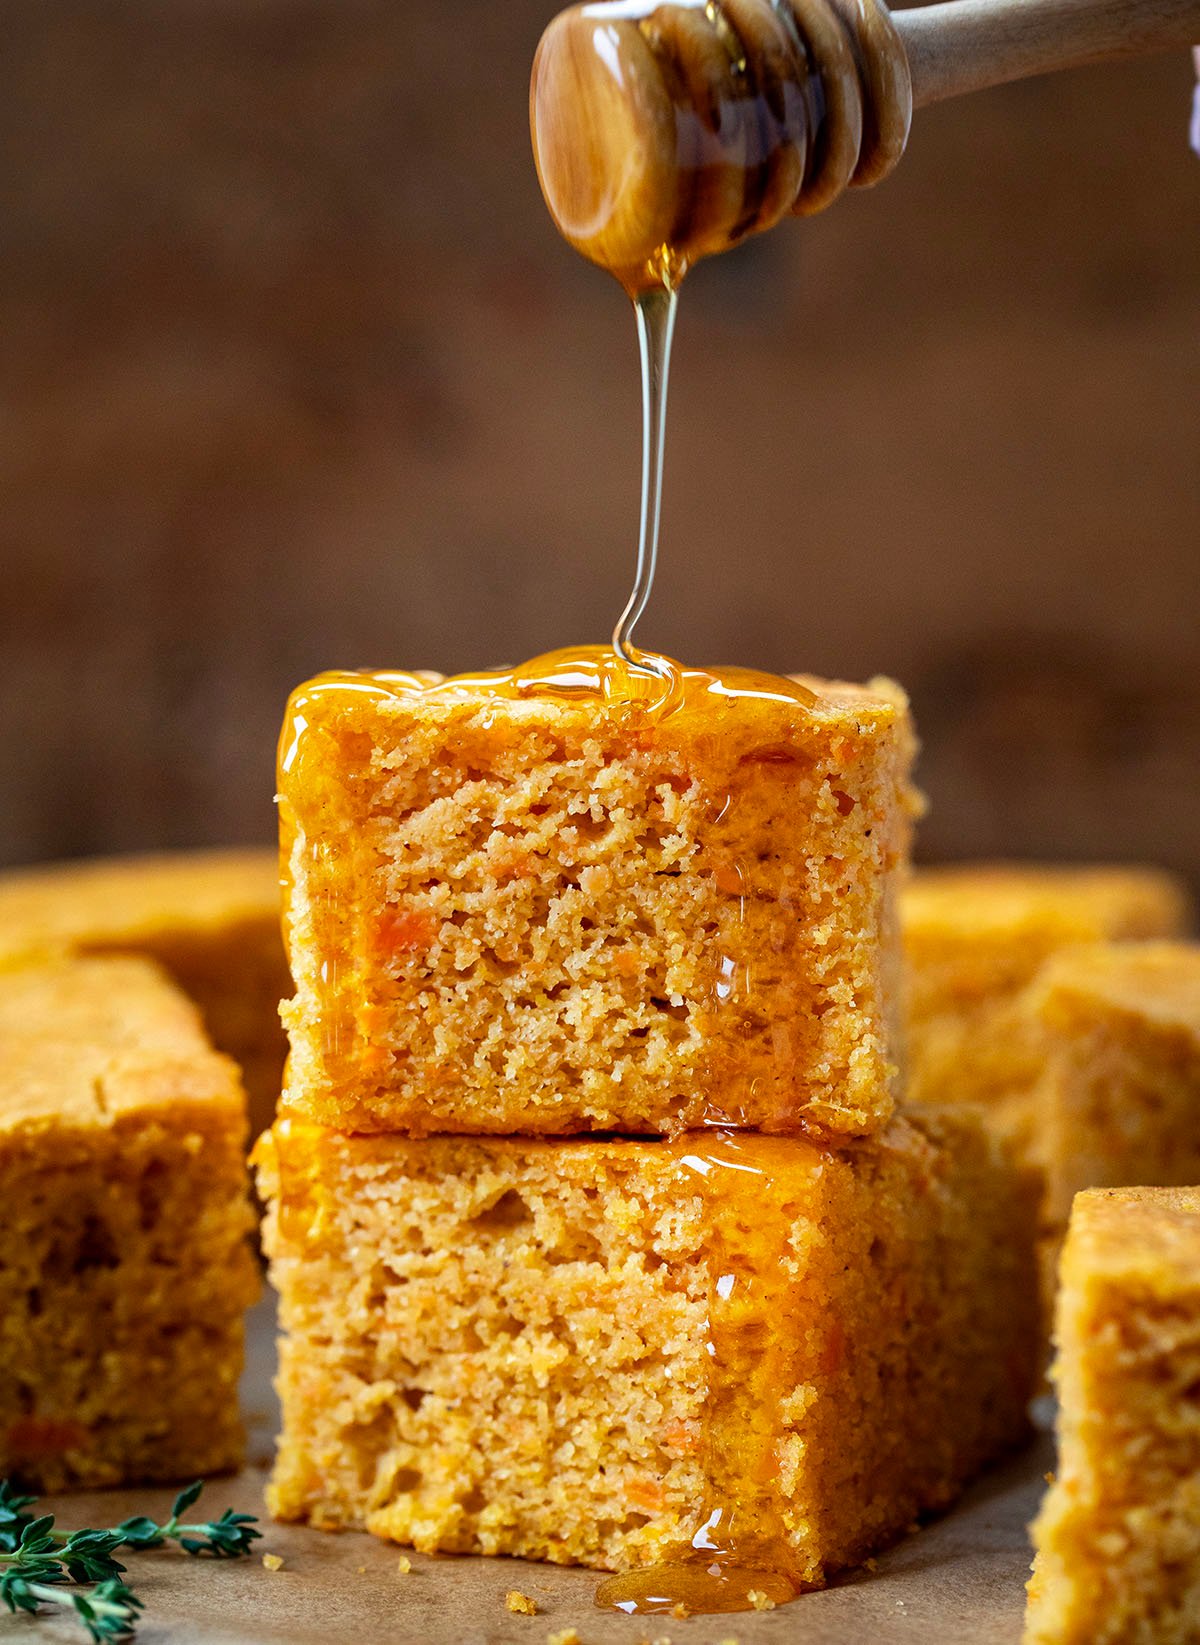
(730, 1365)
(667, 130)
(584, 895)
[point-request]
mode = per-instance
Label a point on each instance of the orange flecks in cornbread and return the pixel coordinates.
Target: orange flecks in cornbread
(1119, 1099)
(211, 918)
(494, 1345)
(124, 1230)
(581, 898)
(975, 938)
(1118, 1537)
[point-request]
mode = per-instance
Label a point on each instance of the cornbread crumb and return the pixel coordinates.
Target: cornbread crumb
(411, 1268)
(125, 1225)
(759, 1600)
(404, 1565)
(563, 1636)
(273, 1562)
(680, 1611)
(520, 1603)
(552, 915)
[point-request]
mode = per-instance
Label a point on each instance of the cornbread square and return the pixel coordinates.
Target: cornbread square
(124, 1226)
(975, 938)
(211, 918)
(1118, 1537)
(561, 911)
(585, 1350)
(1119, 1099)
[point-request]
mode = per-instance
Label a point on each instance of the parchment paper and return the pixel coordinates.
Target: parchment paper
(958, 1581)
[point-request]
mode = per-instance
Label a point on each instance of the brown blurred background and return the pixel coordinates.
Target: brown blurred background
(296, 373)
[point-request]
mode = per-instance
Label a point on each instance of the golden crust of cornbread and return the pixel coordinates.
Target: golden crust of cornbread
(1119, 1097)
(561, 913)
(976, 936)
(125, 1229)
(211, 918)
(575, 1349)
(1118, 1536)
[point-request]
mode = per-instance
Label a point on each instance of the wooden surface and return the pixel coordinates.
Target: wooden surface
(958, 1581)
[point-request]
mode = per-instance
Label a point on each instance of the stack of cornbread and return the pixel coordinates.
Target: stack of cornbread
(596, 1234)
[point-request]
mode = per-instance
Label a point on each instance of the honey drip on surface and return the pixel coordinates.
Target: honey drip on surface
(738, 1557)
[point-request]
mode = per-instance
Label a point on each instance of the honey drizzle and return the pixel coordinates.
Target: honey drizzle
(655, 311)
(738, 1556)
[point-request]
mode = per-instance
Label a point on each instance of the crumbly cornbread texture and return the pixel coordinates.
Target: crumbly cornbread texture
(580, 1350)
(975, 938)
(566, 910)
(125, 1262)
(1118, 1537)
(1119, 1099)
(211, 918)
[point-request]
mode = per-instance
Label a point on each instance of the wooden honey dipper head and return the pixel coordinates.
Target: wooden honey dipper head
(665, 130)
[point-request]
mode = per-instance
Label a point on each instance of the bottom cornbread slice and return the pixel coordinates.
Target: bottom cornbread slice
(597, 1351)
(125, 1229)
(1118, 1537)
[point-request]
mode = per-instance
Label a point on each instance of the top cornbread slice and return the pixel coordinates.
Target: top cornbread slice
(559, 902)
(211, 918)
(976, 937)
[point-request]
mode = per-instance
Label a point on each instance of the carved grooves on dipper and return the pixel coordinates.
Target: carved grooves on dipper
(782, 105)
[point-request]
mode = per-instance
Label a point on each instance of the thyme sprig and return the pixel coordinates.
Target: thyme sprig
(36, 1563)
(224, 1538)
(80, 1573)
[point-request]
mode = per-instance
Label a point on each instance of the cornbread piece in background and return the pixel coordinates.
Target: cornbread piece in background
(125, 1256)
(1118, 1536)
(512, 1346)
(519, 908)
(210, 917)
(1119, 1099)
(975, 938)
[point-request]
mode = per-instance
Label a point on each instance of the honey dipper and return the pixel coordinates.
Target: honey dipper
(664, 130)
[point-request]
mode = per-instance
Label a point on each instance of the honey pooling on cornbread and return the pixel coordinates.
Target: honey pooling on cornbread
(583, 896)
(751, 1357)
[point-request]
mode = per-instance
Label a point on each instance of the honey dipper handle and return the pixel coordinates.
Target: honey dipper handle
(967, 45)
